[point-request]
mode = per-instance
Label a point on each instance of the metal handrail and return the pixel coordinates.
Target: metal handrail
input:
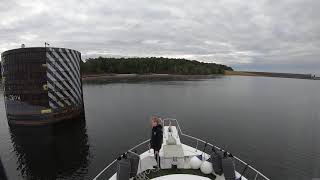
(258, 173)
(200, 140)
(97, 176)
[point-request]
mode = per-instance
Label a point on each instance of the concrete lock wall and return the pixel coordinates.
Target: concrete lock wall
(42, 85)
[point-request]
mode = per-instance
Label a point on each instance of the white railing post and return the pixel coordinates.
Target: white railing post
(256, 176)
(197, 146)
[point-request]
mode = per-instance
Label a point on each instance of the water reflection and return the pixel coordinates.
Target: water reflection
(59, 151)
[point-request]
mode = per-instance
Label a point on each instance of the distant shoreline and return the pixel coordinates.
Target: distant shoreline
(109, 78)
(269, 74)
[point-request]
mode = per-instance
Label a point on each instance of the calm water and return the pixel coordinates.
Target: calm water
(271, 123)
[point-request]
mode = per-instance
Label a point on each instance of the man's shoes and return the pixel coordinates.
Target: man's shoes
(156, 167)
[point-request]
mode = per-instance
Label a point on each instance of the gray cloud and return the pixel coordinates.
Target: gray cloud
(258, 35)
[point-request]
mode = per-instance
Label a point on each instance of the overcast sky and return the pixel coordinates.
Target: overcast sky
(275, 35)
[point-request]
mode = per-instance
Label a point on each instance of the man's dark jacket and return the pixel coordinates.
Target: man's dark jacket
(156, 137)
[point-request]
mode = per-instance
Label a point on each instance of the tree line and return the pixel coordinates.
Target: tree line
(147, 65)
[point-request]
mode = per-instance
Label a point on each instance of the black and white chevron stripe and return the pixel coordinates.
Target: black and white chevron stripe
(63, 77)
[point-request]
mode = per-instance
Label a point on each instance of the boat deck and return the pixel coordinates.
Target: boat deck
(165, 174)
(169, 156)
(180, 176)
